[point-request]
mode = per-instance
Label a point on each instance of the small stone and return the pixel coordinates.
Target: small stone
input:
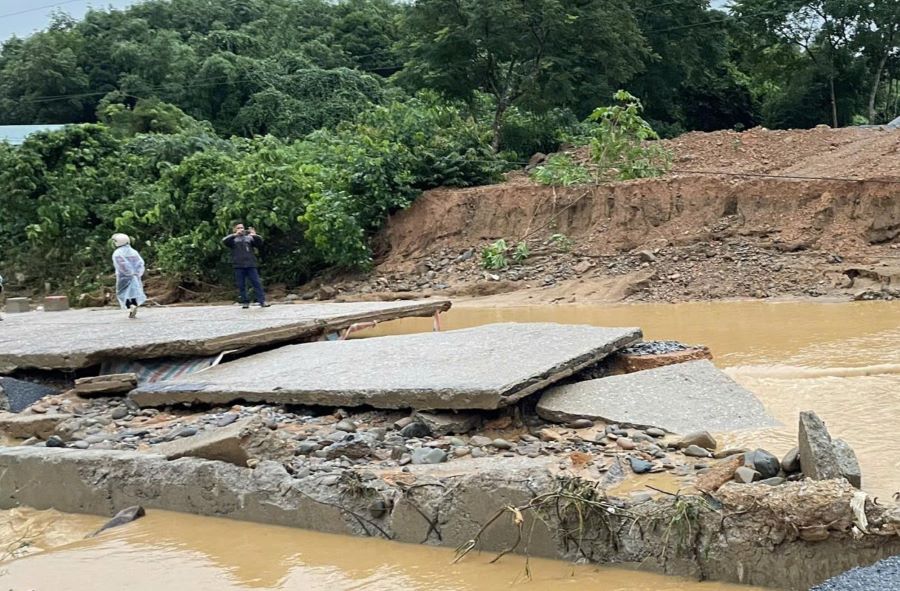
(480, 441)
(727, 453)
(307, 447)
(640, 466)
(790, 463)
(477, 452)
(79, 444)
(549, 435)
(415, 430)
(745, 475)
(186, 432)
(461, 451)
(774, 481)
(639, 437)
(581, 424)
(55, 441)
(501, 444)
(226, 419)
(120, 412)
(701, 438)
(625, 443)
(646, 256)
(695, 451)
(655, 432)
(763, 462)
(346, 425)
(399, 424)
(428, 455)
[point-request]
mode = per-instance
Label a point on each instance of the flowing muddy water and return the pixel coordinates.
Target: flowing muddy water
(186, 553)
(841, 360)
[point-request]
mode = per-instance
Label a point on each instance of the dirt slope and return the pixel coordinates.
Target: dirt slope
(761, 213)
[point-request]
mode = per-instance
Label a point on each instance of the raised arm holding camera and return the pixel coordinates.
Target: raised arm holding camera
(242, 241)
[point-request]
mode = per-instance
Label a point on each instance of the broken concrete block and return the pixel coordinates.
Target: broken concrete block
(458, 369)
(236, 444)
(632, 359)
(109, 384)
(18, 305)
(700, 438)
(17, 395)
(847, 462)
(56, 303)
(817, 458)
(680, 398)
(41, 426)
(746, 475)
(449, 423)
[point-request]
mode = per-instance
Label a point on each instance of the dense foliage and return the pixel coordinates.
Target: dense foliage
(314, 119)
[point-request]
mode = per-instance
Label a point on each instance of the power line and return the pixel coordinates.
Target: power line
(37, 8)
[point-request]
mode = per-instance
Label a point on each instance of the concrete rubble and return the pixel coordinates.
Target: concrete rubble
(680, 398)
(84, 338)
(478, 368)
(237, 444)
(817, 456)
(118, 383)
(25, 426)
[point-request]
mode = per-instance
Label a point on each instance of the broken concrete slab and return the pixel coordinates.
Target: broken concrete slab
(817, 458)
(25, 426)
(681, 398)
(847, 462)
(118, 383)
(17, 395)
(236, 444)
(449, 423)
(477, 368)
(82, 338)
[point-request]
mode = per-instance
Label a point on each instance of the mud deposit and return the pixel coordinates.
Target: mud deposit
(180, 552)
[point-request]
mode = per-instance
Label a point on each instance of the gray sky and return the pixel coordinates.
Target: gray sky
(23, 17)
(35, 14)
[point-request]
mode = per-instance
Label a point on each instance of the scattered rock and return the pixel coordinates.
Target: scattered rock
(55, 441)
(346, 425)
(480, 441)
(415, 430)
(580, 424)
(501, 444)
(640, 466)
(355, 448)
(719, 474)
(401, 423)
(429, 455)
(655, 432)
(763, 462)
(625, 443)
(305, 448)
(727, 453)
(701, 438)
(120, 412)
(774, 481)
(695, 451)
(790, 463)
(237, 443)
(227, 419)
(847, 462)
(817, 458)
(746, 475)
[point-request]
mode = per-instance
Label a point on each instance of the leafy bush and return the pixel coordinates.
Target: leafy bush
(560, 170)
(619, 145)
(493, 256)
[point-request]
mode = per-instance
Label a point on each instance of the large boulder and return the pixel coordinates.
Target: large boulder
(817, 458)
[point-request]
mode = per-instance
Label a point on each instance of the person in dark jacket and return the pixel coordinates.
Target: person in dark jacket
(242, 242)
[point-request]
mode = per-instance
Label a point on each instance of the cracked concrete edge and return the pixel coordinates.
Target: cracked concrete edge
(441, 508)
(296, 332)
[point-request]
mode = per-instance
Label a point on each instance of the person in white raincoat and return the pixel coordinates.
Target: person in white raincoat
(129, 270)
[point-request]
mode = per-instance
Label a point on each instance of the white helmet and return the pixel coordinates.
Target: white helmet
(121, 239)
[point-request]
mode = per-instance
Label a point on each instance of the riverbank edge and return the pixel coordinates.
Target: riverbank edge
(749, 534)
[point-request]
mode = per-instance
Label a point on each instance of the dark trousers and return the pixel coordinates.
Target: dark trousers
(130, 302)
(241, 276)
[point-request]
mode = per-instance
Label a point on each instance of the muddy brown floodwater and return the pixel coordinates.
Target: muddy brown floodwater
(841, 360)
(172, 552)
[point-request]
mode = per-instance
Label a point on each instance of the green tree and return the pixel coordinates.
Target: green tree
(535, 53)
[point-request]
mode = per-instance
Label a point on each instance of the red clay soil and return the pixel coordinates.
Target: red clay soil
(718, 225)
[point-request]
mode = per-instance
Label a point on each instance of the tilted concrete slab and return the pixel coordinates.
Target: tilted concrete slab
(82, 338)
(477, 368)
(682, 398)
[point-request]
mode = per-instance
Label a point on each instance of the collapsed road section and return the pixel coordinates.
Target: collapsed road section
(478, 368)
(83, 338)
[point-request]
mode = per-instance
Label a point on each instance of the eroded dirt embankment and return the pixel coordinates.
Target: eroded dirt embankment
(712, 227)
